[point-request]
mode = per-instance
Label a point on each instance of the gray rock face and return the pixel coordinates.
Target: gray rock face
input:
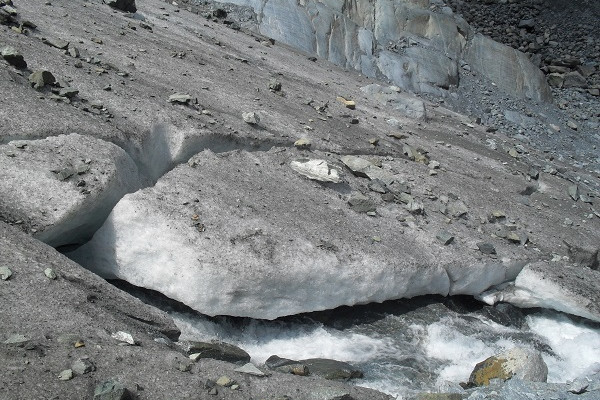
(417, 49)
(510, 69)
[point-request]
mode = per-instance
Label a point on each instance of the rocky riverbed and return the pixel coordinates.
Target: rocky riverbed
(242, 187)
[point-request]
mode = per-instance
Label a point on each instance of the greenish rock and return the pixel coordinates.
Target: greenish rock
(5, 273)
(217, 351)
(83, 366)
(184, 365)
(574, 192)
(41, 78)
(302, 144)
(13, 57)
(111, 390)
(513, 237)
(66, 375)
(445, 237)
(361, 203)
(180, 98)
(332, 369)
(17, 339)
(250, 118)
(58, 43)
(225, 381)
(50, 274)
(486, 248)
(66, 173)
(73, 51)
(68, 92)
(274, 85)
(457, 209)
(286, 366)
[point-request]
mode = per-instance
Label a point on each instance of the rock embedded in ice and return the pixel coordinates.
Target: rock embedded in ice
(63, 187)
(517, 362)
(318, 170)
(215, 350)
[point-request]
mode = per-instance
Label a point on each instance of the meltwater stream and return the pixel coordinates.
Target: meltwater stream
(412, 345)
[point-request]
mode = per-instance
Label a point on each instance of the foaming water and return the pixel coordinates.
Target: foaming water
(428, 348)
(576, 345)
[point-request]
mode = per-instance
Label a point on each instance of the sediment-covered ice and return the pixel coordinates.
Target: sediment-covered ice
(62, 188)
(243, 234)
(573, 290)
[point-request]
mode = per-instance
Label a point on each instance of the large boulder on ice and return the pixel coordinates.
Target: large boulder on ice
(573, 290)
(62, 188)
(244, 234)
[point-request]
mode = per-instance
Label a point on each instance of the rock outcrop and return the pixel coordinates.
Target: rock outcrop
(417, 45)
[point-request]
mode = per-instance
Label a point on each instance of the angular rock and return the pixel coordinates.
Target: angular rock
(58, 43)
(83, 366)
(250, 118)
(111, 390)
(331, 369)
(124, 337)
(216, 350)
(123, 5)
(574, 80)
(250, 369)
(5, 273)
(318, 170)
(286, 366)
(13, 57)
(66, 375)
(17, 339)
(41, 78)
(50, 274)
(583, 256)
(486, 248)
(445, 237)
(361, 203)
(181, 98)
(302, 144)
(517, 362)
(574, 192)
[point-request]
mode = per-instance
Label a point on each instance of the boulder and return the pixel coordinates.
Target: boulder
(509, 69)
(517, 362)
(331, 369)
(13, 57)
(123, 5)
(63, 196)
(215, 350)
